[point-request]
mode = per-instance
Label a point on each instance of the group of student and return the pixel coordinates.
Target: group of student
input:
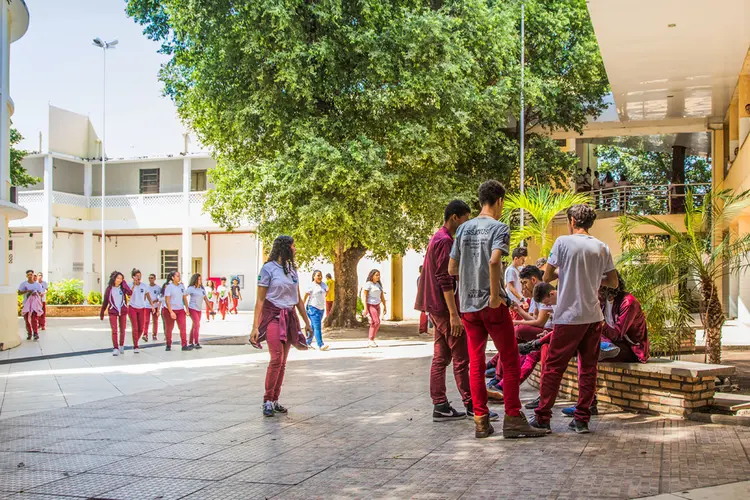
(34, 307)
(461, 290)
(604, 189)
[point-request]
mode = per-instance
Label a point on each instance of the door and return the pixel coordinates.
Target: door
(197, 265)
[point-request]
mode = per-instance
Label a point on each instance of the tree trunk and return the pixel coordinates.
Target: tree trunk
(678, 177)
(344, 312)
(713, 320)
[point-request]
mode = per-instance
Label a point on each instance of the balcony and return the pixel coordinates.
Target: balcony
(648, 199)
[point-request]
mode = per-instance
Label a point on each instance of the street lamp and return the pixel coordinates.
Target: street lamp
(522, 117)
(104, 46)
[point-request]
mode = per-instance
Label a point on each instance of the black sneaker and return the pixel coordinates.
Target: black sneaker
(36, 336)
(540, 425)
(533, 405)
(28, 337)
(198, 346)
(192, 346)
(278, 408)
(169, 348)
(444, 412)
(579, 426)
(494, 416)
(187, 347)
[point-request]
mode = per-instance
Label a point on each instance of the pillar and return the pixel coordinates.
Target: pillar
(743, 281)
(397, 288)
(47, 223)
(187, 232)
(678, 177)
(717, 182)
(87, 181)
(743, 108)
(734, 130)
(89, 277)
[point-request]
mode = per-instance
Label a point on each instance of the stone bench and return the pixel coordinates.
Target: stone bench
(661, 386)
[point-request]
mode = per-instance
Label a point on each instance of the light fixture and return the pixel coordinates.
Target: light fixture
(671, 25)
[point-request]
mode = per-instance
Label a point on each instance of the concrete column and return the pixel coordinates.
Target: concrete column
(717, 181)
(397, 288)
(743, 285)
(734, 130)
(89, 277)
(743, 108)
(47, 222)
(187, 253)
(87, 181)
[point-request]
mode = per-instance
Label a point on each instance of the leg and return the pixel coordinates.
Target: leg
(527, 333)
(123, 318)
(155, 317)
(626, 354)
(35, 324)
(422, 322)
(182, 325)
(282, 370)
(476, 337)
(374, 312)
(27, 322)
(276, 350)
(588, 357)
(168, 326)
(133, 314)
(440, 359)
(500, 328)
(317, 325)
(460, 354)
(146, 322)
(329, 306)
(113, 323)
(528, 363)
(196, 327)
(43, 317)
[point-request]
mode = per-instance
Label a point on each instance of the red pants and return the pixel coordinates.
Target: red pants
(169, 325)
(527, 333)
(527, 362)
(234, 305)
(495, 323)
(275, 372)
(137, 323)
(448, 347)
(122, 322)
(423, 322)
(32, 323)
(566, 341)
(329, 306)
(209, 310)
(373, 310)
(151, 316)
(43, 317)
(195, 316)
(223, 305)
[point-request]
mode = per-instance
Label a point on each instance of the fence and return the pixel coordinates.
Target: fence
(26, 198)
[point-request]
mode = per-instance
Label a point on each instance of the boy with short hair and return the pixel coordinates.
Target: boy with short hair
(512, 277)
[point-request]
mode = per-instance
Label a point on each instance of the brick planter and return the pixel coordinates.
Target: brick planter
(661, 386)
(72, 311)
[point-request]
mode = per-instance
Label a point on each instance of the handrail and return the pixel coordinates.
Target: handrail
(112, 201)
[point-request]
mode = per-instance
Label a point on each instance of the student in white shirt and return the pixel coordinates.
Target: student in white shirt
(196, 298)
(223, 293)
(513, 276)
(374, 296)
(154, 293)
(315, 301)
(173, 311)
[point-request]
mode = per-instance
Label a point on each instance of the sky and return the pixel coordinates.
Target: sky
(56, 63)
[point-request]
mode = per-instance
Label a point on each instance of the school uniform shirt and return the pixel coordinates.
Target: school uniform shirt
(283, 287)
(235, 291)
(138, 299)
(29, 288)
(512, 276)
(155, 293)
(374, 293)
(582, 261)
(175, 294)
(551, 318)
(45, 287)
(533, 306)
(195, 300)
(317, 297)
(222, 291)
(212, 295)
(117, 298)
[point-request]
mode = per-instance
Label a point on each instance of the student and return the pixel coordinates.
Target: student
(32, 304)
(315, 296)
(175, 303)
(154, 293)
(513, 280)
(331, 293)
(624, 324)
(114, 303)
(196, 298)
(43, 317)
(236, 295)
(608, 190)
(374, 296)
(436, 294)
(596, 187)
(223, 298)
(138, 308)
(624, 188)
(578, 262)
(212, 297)
(423, 322)
(275, 319)
(475, 258)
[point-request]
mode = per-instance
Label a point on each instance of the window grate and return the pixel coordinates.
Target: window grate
(149, 180)
(198, 180)
(170, 261)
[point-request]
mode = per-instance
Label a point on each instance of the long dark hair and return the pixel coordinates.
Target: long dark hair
(194, 280)
(282, 250)
(371, 275)
(169, 280)
(316, 272)
(210, 284)
(113, 277)
(609, 178)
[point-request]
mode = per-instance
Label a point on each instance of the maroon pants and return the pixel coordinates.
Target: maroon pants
(137, 323)
(223, 306)
(329, 306)
(423, 323)
(195, 317)
(495, 323)
(32, 323)
(209, 310)
(234, 305)
(43, 317)
(566, 341)
(373, 310)
(527, 333)
(447, 348)
(151, 316)
(277, 367)
(169, 325)
(120, 320)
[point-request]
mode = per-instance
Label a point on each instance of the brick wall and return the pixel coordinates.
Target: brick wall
(72, 311)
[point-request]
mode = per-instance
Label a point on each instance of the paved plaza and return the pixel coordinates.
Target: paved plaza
(359, 426)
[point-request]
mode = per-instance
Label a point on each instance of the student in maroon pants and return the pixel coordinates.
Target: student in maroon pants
(175, 303)
(32, 304)
(154, 292)
(436, 294)
(114, 303)
(196, 298)
(478, 248)
(581, 264)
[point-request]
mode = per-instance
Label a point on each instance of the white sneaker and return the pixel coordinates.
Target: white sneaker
(371, 343)
(136, 350)
(325, 347)
(122, 349)
(115, 352)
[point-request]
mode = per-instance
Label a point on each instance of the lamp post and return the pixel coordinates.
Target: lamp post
(522, 117)
(104, 46)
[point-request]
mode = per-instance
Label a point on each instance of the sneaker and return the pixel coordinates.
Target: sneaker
(518, 427)
(444, 412)
(192, 346)
(570, 411)
(579, 426)
(371, 343)
(311, 347)
(494, 417)
(115, 352)
(154, 338)
(122, 349)
(540, 425)
(494, 392)
(608, 351)
(325, 347)
(532, 405)
(36, 336)
(136, 350)
(490, 373)
(198, 346)
(28, 337)
(278, 408)
(144, 338)
(268, 409)
(168, 348)
(187, 347)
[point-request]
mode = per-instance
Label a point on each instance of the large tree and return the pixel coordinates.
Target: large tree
(349, 124)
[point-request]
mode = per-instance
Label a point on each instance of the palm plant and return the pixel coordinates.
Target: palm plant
(697, 252)
(540, 205)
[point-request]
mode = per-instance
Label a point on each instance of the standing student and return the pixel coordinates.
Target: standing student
(32, 304)
(154, 293)
(513, 278)
(424, 323)
(475, 258)
(275, 319)
(196, 298)
(138, 308)
(315, 296)
(212, 297)
(330, 294)
(608, 188)
(236, 295)
(436, 294)
(175, 303)
(578, 262)
(114, 303)
(374, 296)
(223, 292)
(43, 317)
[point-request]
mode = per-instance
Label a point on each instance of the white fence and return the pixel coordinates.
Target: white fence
(26, 198)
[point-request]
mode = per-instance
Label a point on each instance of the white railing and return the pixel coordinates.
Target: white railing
(648, 199)
(76, 200)
(26, 198)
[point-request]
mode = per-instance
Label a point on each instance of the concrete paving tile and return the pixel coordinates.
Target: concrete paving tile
(139, 466)
(22, 480)
(156, 487)
(83, 485)
(186, 451)
(278, 472)
(237, 491)
(78, 463)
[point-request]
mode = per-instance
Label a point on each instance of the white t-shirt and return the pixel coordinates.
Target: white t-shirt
(582, 261)
(175, 294)
(138, 298)
(608, 316)
(512, 276)
(551, 318)
(317, 297)
(533, 306)
(374, 293)
(222, 291)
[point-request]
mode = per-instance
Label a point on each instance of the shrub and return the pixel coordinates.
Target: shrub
(360, 308)
(94, 298)
(20, 304)
(65, 293)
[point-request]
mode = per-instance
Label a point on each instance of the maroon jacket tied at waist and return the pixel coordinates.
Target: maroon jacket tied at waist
(108, 302)
(630, 326)
(289, 326)
(435, 278)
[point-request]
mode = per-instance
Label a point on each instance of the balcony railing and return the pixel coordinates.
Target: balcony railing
(649, 199)
(26, 198)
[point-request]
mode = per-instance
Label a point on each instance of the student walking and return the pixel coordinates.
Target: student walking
(212, 297)
(374, 296)
(331, 293)
(223, 292)
(175, 303)
(436, 294)
(196, 298)
(578, 262)
(139, 308)
(154, 293)
(315, 296)
(475, 258)
(114, 303)
(275, 320)
(43, 317)
(32, 304)
(236, 295)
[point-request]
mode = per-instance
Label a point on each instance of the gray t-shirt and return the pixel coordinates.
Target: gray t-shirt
(472, 248)
(283, 289)
(195, 297)
(581, 261)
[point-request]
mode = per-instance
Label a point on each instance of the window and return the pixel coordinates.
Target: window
(198, 180)
(149, 181)
(170, 261)
(77, 267)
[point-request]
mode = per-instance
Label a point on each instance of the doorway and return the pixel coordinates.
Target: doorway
(197, 265)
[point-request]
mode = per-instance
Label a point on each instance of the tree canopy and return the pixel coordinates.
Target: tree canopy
(649, 167)
(18, 174)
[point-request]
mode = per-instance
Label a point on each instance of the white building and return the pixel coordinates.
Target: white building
(14, 21)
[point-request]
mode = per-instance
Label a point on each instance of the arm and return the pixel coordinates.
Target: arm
(150, 302)
(453, 267)
(105, 301)
(303, 312)
(186, 301)
(205, 300)
(445, 282)
(260, 295)
(365, 294)
(538, 322)
(126, 289)
(307, 295)
(625, 319)
(382, 301)
(610, 279)
(550, 273)
(496, 272)
(525, 315)
(239, 293)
